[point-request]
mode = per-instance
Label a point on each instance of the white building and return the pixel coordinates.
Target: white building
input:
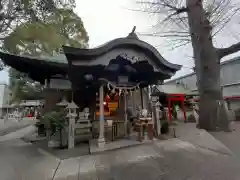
(230, 80)
(5, 95)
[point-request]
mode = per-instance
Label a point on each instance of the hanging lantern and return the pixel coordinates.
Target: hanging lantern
(116, 97)
(107, 98)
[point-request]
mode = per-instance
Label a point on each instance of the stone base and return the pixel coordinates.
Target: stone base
(53, 144)
(191, 118)
(118, 144)
(101, 142)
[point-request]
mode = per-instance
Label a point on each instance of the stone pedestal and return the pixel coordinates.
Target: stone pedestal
(64, 136)
(71, 137)
(150, 131)
(72, 114)
(158, 115)
(101, 142)
(195, 114)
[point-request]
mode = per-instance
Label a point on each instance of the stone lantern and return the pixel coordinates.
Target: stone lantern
(63, 103)
(72, 114)
(158, 117)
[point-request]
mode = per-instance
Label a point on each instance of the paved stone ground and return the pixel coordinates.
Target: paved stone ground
(80, 149)
(21, 161)
(11, 126)
(200, 138)
(162, 160)
(230, 139)
(194, 155)
(168, 160)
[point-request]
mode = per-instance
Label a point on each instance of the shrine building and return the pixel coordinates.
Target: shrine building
(106, 79)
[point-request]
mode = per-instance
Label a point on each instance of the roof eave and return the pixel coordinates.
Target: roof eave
(120, 42)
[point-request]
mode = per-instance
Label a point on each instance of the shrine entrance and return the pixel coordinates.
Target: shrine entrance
(172, 99)
(176, 98)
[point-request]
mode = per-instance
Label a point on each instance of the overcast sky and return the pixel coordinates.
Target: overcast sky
(108, 19)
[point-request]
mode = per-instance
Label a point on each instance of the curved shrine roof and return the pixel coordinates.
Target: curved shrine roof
(38, 68)
(131, 41)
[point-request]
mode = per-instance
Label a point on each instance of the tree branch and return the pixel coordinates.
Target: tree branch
(164, 4)
(229, 50)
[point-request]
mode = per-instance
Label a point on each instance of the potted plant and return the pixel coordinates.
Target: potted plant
(54, 123)
(40, 128)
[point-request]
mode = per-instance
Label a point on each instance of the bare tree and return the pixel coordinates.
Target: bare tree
(198, 21)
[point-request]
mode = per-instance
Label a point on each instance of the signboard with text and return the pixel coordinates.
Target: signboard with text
(60, 84)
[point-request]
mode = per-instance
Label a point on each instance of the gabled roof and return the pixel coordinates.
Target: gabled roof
(131, 41)
(172, 89)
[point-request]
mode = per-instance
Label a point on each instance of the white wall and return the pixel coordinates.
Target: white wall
(230, 78)
(230, 72)
(4, 96)
(234, 104)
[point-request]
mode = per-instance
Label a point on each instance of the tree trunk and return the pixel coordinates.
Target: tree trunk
(212, 112)
(52, 97)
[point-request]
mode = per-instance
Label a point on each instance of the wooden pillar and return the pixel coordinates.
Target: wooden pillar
(125, 114)
(133, 103)
(141, 94)
(184, 110)
(169, 109)
(101, 139)
(46, 83)
(154, 118)
(71, 131)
